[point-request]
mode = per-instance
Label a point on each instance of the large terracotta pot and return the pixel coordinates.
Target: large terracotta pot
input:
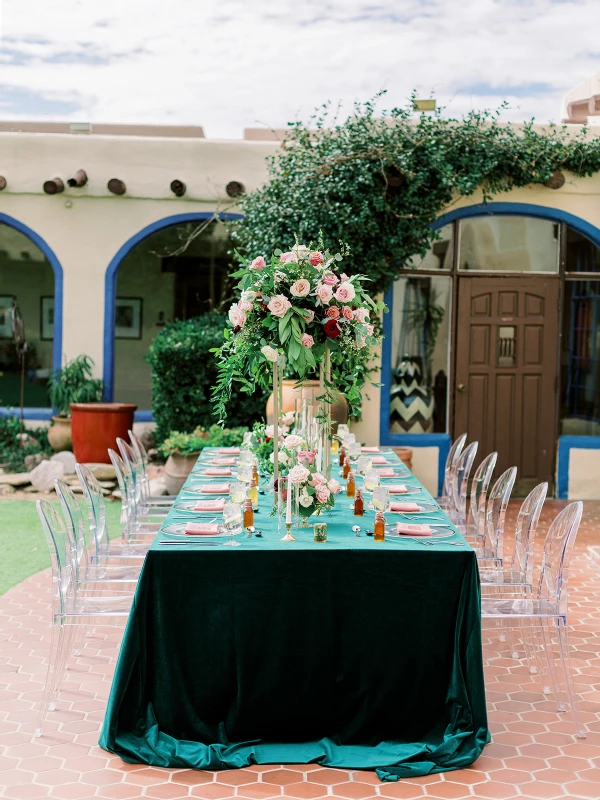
(291, 393)
(59, 434)
(405, 455)
(177, 468)
(97, 426)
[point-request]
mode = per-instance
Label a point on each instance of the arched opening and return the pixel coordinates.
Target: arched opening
(168, 271)
(31, 276)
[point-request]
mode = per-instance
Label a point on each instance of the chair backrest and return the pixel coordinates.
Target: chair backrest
(461, 479)
(496, 510)
(96, 508)
(479, 489)
(527, 522)
(139, 448)
(79, 532)
(453, 456)
(558, 547)
(62, 557)
(126, 488)
(133, 469)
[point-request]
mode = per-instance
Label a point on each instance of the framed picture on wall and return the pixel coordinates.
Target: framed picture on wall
(47, 318)
(6, 301)
(128, 318)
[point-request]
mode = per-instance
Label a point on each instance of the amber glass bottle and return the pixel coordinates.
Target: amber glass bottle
(350, 485)
(248, 513)
(253, 493)
(347, 468)
(359, 504)
(379, 527)
(255, 471)
(342, 455)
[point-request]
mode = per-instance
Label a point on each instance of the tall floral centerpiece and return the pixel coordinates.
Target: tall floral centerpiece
(304, 308)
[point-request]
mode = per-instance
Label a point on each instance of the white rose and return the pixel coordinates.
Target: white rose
(292, 441)
(269, 353)
(249, 296)
(306, 500)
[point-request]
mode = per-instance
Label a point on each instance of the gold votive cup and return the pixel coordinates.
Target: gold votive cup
(320, 531)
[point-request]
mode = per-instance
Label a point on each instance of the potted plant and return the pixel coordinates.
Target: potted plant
(72, 383)
(181, 451)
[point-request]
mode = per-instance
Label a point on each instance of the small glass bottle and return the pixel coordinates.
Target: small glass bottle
(379, 527)
(248, 513)
(335, 445)
(359, 504)
(342, 455)
(255, 470)
(350, 485)
(347, 468)
(253, 493)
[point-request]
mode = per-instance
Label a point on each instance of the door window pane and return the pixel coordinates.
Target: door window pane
(440, 254)
(508, 244)
(582, 255)
(580, 359)
(420, 352)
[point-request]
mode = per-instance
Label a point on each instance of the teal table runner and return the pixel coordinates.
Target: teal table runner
(350, 653)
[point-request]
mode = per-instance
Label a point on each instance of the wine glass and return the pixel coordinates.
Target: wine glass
(381, 498)
(354, 451)
(364, 464)
(246, 457)
(371, 482)
(232, 522)
(349, 438)
(342, 430)
(244, 473)
(237, 493)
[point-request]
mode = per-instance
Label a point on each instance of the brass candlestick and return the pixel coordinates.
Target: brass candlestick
(288, 533)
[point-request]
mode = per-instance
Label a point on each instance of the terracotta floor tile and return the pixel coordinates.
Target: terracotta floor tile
(355, 791)
(281, 777)
(262, 791)
(236, 777)
(304, 791)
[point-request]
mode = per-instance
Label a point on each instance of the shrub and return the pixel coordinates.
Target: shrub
(13, 449)
(73, 383)
(215, 436)
(183, 373)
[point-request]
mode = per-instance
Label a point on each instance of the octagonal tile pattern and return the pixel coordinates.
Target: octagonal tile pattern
(534, 753)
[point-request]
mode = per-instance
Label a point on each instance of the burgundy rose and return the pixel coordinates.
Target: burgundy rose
(237, 329)
(264, 306)
(332, 329)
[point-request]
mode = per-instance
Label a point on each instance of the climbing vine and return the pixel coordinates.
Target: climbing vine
(378, 180)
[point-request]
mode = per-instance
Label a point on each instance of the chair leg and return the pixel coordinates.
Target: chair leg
(551, 666)
(565, 659)
(56, 636)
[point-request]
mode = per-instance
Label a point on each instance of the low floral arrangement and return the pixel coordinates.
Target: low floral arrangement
(316, 493)
(295, 306)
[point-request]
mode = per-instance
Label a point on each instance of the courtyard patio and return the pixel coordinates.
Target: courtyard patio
(534, 752)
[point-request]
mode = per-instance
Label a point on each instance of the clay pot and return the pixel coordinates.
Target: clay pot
(405, 455)
(97, 426)
(59, 434)
(177, 469)
(291, 393)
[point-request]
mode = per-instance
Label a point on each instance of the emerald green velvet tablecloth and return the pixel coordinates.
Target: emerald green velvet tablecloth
(350, 653)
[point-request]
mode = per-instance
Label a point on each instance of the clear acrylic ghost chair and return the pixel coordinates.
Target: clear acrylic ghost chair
(519, 576)
(130, 522)
(451, 460)
(69, 608)
(492, 549)
(479, 489)
(548, 607)
(460, 482)
(102, 548)
(91, 576)
(142, 455)
(133, 471)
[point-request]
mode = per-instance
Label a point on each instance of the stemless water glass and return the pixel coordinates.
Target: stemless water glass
(372, 480)
(354, 451)
(232, 522)
(349, 438)
(364, 464)
(381, 498)
(244, 473)
(246, 457)
(237, 493)
(342, 430)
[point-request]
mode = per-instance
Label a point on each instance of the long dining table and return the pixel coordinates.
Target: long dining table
(350, 653)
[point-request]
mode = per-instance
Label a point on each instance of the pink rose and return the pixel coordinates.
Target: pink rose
(329, 279)
(286, 258)
(317, 479)
(315, 259)
(343, 277)
(279, 305)
(307, 340)
(345, 292)
(324, 293)
(333, 312)
(306, 456)
(298, 474)
(308, 314)
(347, 312)
(370, 329)
(258, 263)
(322, 493)
(301, 288)
(237, 317)
(334, 486)
(361, 314)
(245, 305)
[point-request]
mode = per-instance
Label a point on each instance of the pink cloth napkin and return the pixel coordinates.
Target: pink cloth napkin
(413, 530)
(379, 460)
(369, 449)
(397, 488)
(217, 471)
(215, 488)
(210, 505)
(224, 462)
(234, 451)
(412, 507)
(201, 529)
(387, 472)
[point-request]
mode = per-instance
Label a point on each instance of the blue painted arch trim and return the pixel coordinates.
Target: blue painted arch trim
(58, 297)
(110, 285)
(565, 445)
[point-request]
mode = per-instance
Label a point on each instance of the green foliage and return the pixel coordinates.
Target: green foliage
(188, 443)
(183, 372)
(13, 448)
(73, 383)
(378, 182)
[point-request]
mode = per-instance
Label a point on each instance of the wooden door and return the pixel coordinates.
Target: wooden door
(506, 371)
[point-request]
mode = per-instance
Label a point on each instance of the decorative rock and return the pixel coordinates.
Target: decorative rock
(30, 490)
(16, 479)
(67, 458)
(107, 484)
(6, 488)
(44, 475)
(116, 495)
(103, 472)
(77, 488)
(32, 461)
(158, 487)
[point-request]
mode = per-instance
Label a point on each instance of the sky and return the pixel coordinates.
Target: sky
(231, 64)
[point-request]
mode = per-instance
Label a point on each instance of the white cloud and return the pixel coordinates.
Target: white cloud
(230, 64)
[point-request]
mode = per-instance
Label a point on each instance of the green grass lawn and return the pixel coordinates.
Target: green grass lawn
(23, 550)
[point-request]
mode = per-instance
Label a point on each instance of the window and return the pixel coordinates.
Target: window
(581, 254)
(508, 244)
(420, 354)
(439, 256)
